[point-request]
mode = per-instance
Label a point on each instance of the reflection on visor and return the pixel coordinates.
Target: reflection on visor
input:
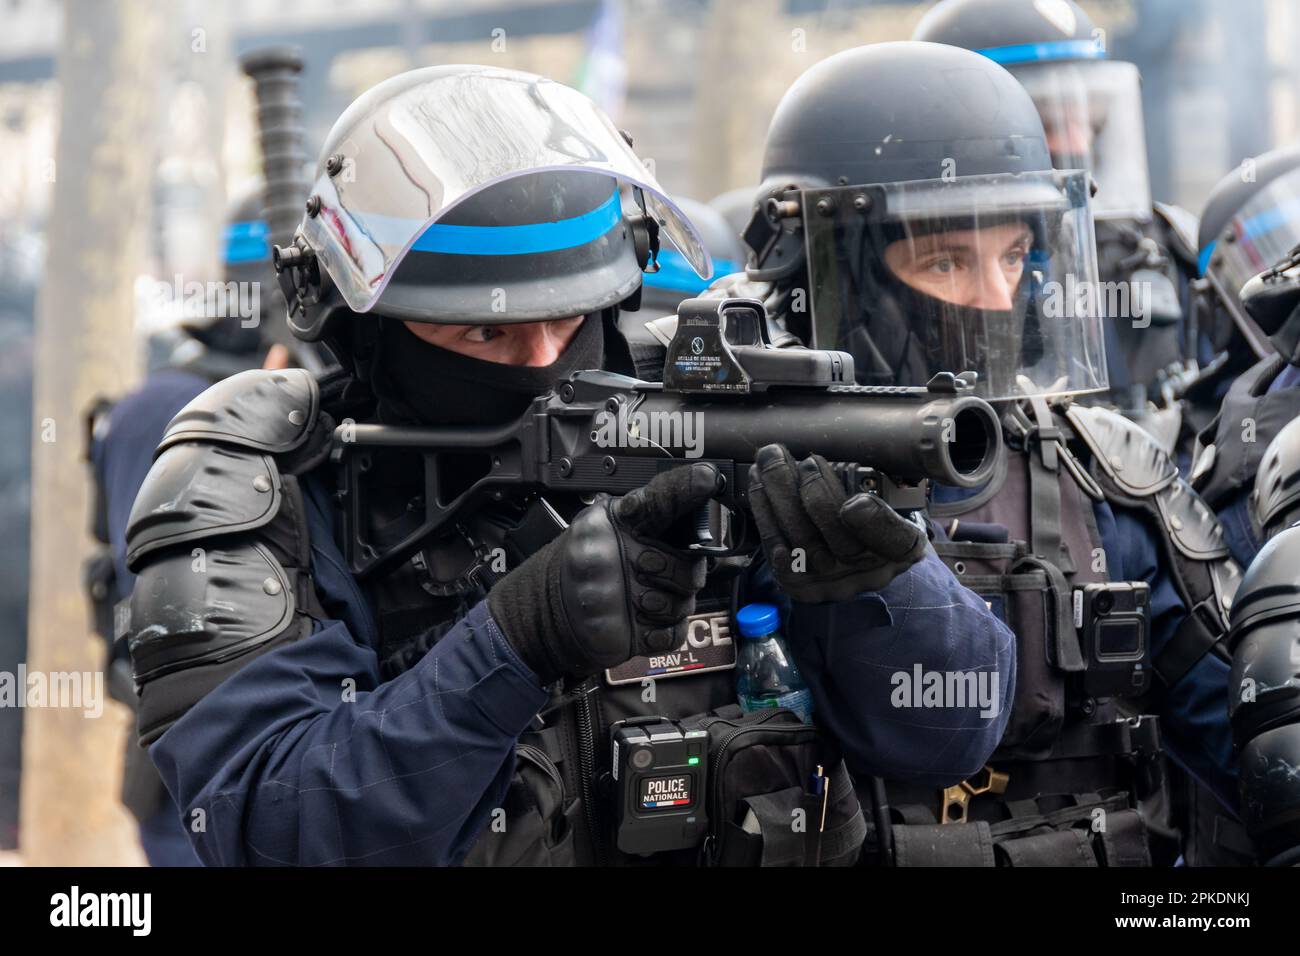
(420, 144)
(1092, 112)
(1250, 231)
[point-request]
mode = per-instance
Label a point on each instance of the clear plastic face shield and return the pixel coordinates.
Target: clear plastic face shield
(415, 156)
(1263, 231)
(1092, 114)
(990, 274)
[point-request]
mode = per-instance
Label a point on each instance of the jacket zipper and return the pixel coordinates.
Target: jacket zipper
(587, 766)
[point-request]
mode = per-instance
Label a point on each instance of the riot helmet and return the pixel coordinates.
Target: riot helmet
(1251, 221)
(1091, 106)
(476, 195)
(223, 330)
(909, 185)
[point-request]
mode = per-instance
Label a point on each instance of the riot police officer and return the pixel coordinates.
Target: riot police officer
(195, 345)
(1091, 108)
(909, 214)
(1250, 222)
(320, 684)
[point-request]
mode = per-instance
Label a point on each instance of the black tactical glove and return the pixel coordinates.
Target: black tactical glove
(609, 588)
(822, 545)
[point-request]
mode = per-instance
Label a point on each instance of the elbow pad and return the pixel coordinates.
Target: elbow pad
(218, 540)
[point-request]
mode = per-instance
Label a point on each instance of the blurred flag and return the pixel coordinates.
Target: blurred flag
(602, 74)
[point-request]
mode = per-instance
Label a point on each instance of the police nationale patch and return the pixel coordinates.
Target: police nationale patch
(708, 647)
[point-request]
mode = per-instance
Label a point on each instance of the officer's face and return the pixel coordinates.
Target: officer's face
(533, 344)
(979, 268)
(1068, 137)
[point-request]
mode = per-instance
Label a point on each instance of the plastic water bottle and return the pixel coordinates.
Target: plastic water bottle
(766, 675)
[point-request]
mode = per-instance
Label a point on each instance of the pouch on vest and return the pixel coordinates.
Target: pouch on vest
(1034, 603)
(535, 824)
(764, 808)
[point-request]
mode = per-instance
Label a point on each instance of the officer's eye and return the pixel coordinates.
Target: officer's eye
(941, 265)
(482, 333)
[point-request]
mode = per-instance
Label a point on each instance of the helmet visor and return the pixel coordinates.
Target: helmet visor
(988, 274)
(1263, 231)
(420, 153)
(1092, 114)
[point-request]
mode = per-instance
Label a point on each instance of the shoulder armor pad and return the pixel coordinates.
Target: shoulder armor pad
(196, 490)
(1192, 525)
(1277, 484)
(271, 411)
(197, 613)
(1130, 457)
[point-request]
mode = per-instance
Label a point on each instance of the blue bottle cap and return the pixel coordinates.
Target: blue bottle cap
(758, 620)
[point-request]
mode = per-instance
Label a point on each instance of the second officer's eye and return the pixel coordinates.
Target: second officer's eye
(482, 333)
(941, 264)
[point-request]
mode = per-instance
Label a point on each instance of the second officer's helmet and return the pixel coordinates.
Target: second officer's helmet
(1251, 220)
(1091, 106)
(476, 195)
(908, 187)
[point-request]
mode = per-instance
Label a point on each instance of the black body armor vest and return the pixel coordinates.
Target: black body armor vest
(1077, 779)
(1233, 445)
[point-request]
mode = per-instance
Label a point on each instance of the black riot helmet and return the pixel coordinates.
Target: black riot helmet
(1250, 222)
(228, 329)
(1091, 106)
(475, 195)
(909, 188)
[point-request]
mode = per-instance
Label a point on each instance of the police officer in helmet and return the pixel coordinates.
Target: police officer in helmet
(1250, 222)
(1091, 107)
(441, 705)
(909, 198)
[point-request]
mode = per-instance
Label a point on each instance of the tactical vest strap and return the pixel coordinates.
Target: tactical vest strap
(1199, 633)
(1063, 646)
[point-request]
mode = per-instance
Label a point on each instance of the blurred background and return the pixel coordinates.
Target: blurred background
(160, 131)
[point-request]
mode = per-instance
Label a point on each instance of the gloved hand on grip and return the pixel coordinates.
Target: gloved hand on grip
(609, 588)
(822, 545)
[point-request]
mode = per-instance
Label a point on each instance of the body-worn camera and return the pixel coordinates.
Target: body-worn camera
(1113, 622)
(660, 770)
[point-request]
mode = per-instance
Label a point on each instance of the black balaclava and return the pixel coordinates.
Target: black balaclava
(419, 383)
(904, 335)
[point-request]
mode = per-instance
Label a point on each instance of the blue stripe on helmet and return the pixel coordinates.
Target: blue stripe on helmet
(676, 275)
(526, 239)
(1045, 52)
(248, 241)
(1203, 260)
(1257, 225)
